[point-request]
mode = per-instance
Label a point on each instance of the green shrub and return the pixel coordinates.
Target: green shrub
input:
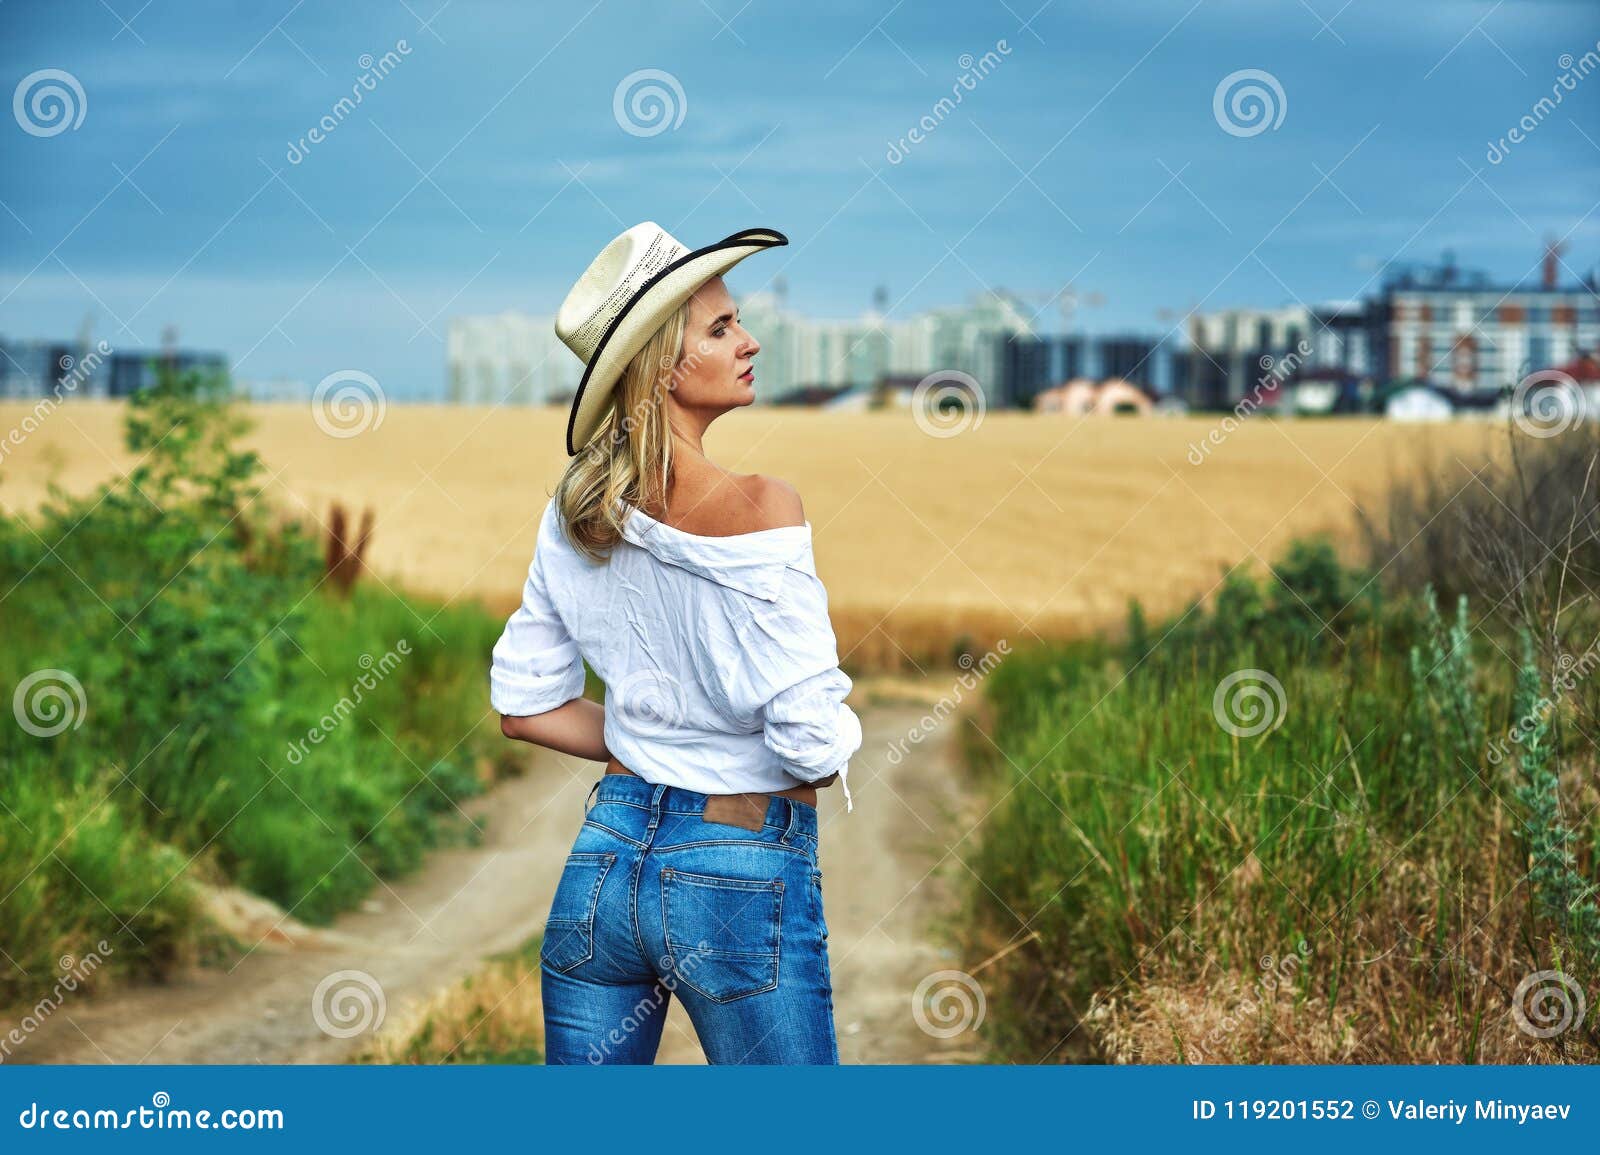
(230, 717)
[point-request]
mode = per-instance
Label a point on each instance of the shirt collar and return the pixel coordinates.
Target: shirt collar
(750, 562)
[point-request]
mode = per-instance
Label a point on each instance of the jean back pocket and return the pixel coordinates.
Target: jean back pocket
(722, 933)
(569, 931)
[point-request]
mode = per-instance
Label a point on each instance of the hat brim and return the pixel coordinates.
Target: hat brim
(631, 329)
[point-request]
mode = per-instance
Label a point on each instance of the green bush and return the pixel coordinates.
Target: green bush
(230, 716)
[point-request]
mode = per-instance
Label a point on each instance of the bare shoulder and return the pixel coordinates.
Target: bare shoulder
(770, 503)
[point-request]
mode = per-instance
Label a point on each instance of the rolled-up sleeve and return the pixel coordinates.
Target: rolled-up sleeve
(537, 666)
(788, 673)
(810, 727)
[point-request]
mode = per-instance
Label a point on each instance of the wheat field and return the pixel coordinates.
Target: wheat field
(1021, 527)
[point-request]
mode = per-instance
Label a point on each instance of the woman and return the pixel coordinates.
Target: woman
(692, 593)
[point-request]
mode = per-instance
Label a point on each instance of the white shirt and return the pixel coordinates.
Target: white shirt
(720, 663)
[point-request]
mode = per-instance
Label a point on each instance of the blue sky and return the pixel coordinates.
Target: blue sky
(488, 166)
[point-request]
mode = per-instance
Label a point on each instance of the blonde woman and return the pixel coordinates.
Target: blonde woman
(692, 593)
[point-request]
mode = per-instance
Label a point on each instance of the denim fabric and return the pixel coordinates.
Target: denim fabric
(656, 901)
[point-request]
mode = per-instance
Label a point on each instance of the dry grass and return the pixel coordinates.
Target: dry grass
(494, 1015)
(1024, 527)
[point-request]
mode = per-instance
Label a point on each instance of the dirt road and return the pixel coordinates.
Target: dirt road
(889, 889)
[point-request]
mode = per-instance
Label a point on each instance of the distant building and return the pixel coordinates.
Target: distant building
(30, 368)
(1437, 325)
(1030, 365)
(509, 359)
(1235, 353)
(1456, 330)
(134, 370)
(35, 368)
(514, 358)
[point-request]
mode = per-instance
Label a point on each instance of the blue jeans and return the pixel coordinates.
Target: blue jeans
(654, 900)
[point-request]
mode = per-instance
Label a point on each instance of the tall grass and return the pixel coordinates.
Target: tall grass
(191, 700)
(1219, 870)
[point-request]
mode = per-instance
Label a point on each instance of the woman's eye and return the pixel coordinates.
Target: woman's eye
(718, 332)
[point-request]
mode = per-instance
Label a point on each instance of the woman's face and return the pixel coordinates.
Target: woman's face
(716, 370)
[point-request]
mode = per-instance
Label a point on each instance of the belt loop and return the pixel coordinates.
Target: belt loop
(586, 802)
(655, 814)
(794, 813)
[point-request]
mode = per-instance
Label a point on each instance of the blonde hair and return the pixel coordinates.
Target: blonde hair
(630, 455)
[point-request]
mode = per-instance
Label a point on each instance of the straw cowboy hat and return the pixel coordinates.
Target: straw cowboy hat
(624, 296)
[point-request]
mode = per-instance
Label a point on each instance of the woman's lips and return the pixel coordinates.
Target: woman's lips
(748, 375)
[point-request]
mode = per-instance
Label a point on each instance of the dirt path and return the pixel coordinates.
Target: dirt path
(889, 889)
